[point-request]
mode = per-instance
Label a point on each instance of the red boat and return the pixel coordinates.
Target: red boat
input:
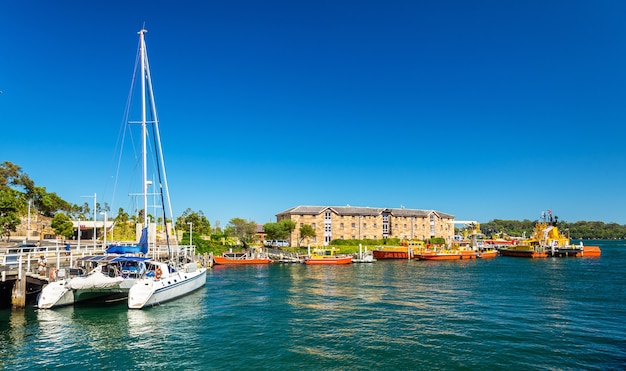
(591, 251)
(248, 257)
(446, 255)
(487, 253)
(391, 252)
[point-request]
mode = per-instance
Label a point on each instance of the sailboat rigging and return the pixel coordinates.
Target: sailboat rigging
(162, 281)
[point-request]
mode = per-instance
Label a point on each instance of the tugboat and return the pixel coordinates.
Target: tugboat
(547, 240)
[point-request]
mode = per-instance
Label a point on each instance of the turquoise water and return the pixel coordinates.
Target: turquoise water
(503, 313)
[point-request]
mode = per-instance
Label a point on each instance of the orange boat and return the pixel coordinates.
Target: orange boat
(446, 255)
(391, 252)
(487, 252)
(406, 249)
(326, 256)
(591, 251)
(252, 256)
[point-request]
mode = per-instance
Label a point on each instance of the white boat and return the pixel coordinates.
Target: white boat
(366, 256)
(162, 281)
(108, 282)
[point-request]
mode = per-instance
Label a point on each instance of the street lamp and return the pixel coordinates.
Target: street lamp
(105, 228)
(190, 233)
(78, 234)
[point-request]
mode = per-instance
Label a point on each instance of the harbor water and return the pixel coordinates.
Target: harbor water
(502, 313)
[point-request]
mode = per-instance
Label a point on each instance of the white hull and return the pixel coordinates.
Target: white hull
(55, 294)
(60, 293)
(96, 287)
(151, 291)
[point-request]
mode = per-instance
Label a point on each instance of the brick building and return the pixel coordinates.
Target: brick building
(349, 222)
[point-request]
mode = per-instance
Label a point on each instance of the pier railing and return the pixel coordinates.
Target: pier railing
(283, 256)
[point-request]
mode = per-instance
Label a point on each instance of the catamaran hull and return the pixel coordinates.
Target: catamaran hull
(55, 294)
(59, 294)
(148, 292)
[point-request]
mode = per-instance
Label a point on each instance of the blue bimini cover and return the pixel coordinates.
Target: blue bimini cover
(142, 247)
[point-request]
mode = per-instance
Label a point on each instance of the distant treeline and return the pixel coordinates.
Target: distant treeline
(578, 230)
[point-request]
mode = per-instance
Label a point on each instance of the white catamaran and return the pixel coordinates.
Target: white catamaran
(108, 282)
(124, 273)
(162, 281)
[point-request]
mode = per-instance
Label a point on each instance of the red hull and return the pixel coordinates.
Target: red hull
(488, 254)
(447, 256)
(591, 251)
(381, 254)
(227, 261)
(338, 260)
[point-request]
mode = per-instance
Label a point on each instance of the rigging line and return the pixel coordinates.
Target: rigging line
(159, 163)
(160, 147)
(124, 128)
(160, 180)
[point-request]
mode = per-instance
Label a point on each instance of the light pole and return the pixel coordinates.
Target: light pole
(105, 229)
(78, 233)
(28, 231)
(190, 234)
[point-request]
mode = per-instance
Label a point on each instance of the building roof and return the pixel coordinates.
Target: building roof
(362, 211)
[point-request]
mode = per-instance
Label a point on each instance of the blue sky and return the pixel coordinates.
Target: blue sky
(483, 109)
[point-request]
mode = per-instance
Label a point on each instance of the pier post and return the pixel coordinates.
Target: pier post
(18, 297)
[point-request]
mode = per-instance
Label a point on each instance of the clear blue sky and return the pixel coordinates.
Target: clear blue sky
(482, 109)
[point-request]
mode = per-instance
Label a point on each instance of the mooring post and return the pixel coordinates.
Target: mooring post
(18, 297)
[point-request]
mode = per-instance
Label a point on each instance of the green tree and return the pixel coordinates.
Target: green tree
(201, 224)
(272, 231)
(306, 231)
(241, 228)
(9, 218)
(62, 225)
(279, 231)
(48, 203)
(123, 226)
(288, 226)
(12, 176)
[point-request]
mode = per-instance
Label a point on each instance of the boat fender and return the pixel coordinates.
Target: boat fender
(158, 273)
(53, 274)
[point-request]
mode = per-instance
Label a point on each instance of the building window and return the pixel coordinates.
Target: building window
(374, 225)
(353, 225)
(405, 226)
(364, 225)
(313, 225)
(340, 225)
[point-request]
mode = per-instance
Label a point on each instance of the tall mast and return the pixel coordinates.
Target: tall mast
(144, 130)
